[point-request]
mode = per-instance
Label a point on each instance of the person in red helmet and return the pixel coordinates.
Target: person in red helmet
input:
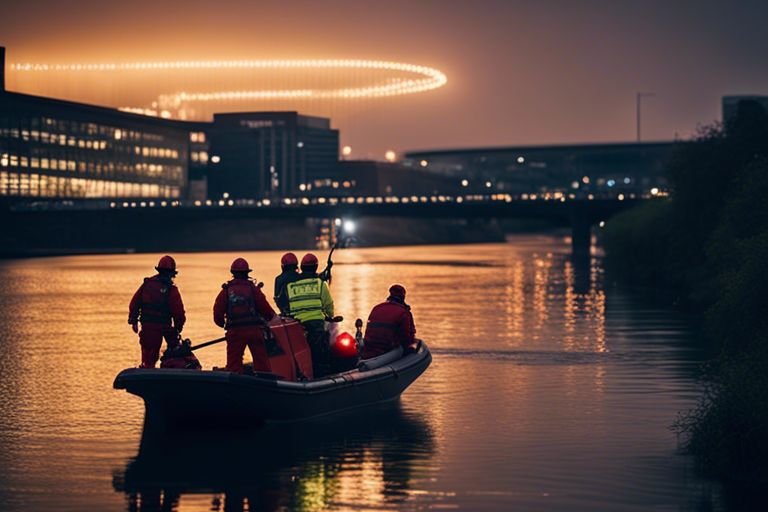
(158, 306)
(289, 264)
(390, 325)
(310, 302)
(242, 309)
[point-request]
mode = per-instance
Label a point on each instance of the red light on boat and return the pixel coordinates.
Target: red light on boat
(345, 345)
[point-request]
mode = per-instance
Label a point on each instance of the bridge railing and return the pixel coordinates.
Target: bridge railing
(304, 201)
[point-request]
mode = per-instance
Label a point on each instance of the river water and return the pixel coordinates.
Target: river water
(549, 390)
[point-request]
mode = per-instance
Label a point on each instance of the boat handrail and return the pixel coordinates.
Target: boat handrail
(382, 360)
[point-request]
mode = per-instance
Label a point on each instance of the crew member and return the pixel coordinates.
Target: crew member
(310, 302)
(157, 305)
(242, 309)
(390, 325)
(289, 264)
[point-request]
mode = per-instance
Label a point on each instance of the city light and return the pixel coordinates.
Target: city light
(349, 226)
(423, 79)
(215, 159)
(346, 150)
(390, 156)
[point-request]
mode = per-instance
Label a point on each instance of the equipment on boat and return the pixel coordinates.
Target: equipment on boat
(180, 356)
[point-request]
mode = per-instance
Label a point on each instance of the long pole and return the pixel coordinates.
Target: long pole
(639, 98)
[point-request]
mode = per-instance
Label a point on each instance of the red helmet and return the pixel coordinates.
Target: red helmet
(166, 263)
(240, 265)
(309, 260)
(397, 290)
(289, 259)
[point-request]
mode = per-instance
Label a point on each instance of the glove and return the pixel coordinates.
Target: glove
(135, 327)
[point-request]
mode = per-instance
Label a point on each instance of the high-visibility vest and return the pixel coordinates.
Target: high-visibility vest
(305, 299)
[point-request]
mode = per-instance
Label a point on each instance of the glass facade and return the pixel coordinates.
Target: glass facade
(54, 149)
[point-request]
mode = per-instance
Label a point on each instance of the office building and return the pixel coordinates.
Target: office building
(269, 154)
(60, 149)
(731, 105)
(636, 167)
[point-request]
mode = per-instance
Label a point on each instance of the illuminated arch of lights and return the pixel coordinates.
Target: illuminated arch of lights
(422, 78)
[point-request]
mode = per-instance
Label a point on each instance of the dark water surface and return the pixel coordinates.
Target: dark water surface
(538, 398)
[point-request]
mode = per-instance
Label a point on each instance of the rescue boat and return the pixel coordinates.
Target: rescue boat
(177, 398)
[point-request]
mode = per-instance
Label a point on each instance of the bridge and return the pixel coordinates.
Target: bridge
(579, 212)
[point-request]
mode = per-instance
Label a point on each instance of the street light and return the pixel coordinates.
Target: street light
(639, 98)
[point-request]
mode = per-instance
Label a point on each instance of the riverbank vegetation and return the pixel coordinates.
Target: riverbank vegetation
(708, 245)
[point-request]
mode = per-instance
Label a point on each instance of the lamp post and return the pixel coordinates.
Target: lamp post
(639, 98)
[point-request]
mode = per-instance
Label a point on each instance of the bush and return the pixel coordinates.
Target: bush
(711, 247)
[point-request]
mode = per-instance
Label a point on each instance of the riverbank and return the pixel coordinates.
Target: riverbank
(708, 246)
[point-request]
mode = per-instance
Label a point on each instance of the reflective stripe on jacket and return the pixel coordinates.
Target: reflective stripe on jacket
(309, 299)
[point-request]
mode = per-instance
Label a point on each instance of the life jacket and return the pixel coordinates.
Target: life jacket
(241, 303)
(305, 299)
(154, 301)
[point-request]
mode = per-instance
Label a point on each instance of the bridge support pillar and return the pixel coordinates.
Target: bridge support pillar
(581, 248)
(581, 232)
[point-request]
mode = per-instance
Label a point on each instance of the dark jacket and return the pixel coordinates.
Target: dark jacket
(281, 295)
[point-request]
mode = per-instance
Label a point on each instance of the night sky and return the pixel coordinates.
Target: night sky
(520, 72)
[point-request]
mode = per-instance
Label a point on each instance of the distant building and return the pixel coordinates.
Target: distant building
(373, 178)
(557, 168)
(60, 149)
(731, 105)
(269, 154)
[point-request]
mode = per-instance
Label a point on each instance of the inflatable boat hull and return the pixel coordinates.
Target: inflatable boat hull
(179, 398)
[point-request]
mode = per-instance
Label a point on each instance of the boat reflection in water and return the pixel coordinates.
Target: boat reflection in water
(366, 458)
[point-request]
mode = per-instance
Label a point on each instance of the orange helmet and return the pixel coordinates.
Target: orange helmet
(289, 259)
(166, 264)
(239, 265)
(309, 260)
